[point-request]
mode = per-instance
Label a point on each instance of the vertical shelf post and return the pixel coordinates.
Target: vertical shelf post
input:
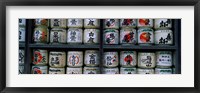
(177, 32)
(29, 28)
(101, 46)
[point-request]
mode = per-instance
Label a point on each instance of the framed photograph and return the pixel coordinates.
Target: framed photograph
(99, 46)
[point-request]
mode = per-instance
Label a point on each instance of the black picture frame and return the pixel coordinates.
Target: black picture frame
(4, 3)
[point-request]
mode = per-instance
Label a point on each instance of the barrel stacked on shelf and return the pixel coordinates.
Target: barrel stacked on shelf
(22, 32)
(40, 56)
(124, 32)
(21, 61)
(66, 31)
(150, 32)
(110, 36)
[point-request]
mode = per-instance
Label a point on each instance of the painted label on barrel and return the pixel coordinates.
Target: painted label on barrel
(40, 21)
(111, 23)
(58, 35)
(22, 33)
(71, 70)
(163, 71)
(145, 71)
(111, 59)
(91, 23)
(40, 34)
(40, 57)
(126, 70)
(128, 58)
(75, 23)
(111, 36)
(91, 36)
(110, 71)
(22, 22)
(162, 23)
(74, 35)
(21, 69)
(39, 70)
(145, 36)
(146, 60)
(164, 37)
(75, 58)
(57, 59)
(56, 70)
(58, 23)
(91, 58)
(21, 56)
(91, 70)
(128, 23)
(145, 23)
(128, 36)
(164, 58)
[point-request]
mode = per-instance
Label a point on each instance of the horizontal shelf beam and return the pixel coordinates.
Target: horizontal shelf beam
(70, 46)
(21, 45)
(153, 47)
(77, 46)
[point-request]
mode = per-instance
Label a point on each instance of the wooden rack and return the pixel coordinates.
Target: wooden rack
(28, 46)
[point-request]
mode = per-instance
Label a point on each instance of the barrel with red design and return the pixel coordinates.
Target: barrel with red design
(111, 59)
(111, 36)
(41, 34)
(40, 57)
(75, 58)
(128, 36)
(128, 58)
(111, 23)
(145, 23)
(41, 22)
(132, 23)
(39, 70)
(145, 36)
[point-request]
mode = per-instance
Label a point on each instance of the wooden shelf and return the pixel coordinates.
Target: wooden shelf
(69, 46)
(21, 45)
(176, 47)
(142, 47)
